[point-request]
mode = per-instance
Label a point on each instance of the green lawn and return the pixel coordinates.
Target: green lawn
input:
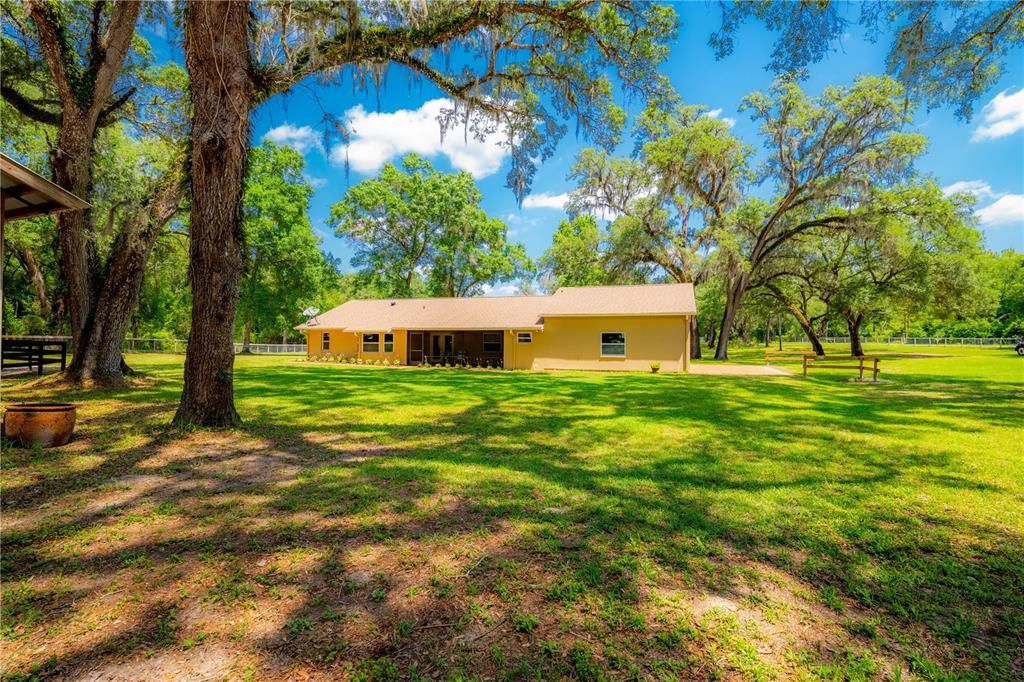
(397, 523)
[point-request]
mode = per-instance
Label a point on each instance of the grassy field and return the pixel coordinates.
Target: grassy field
(390, 523)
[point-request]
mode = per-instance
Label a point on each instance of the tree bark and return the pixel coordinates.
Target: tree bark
(84, 99)
(695, 335)
(737, 286)
(800, 317)
(72, 169)
(35, 278)
(218, 60)
(247, 335)
(98, 356)
(853, 323)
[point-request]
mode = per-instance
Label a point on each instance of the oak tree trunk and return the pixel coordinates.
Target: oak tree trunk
(853, 323)
(736, 287)
(98, 356)
(218, 61)
(35, 277)
(800, 317)
(85, 99)
(695, 336)
(247, 335)
(72, 169)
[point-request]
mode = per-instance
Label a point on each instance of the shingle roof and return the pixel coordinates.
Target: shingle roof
(506, 312)
(634, 299)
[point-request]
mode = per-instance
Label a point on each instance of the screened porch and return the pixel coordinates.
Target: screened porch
(467, 348)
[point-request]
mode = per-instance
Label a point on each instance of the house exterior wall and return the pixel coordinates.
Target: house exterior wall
(348, 343)
(575, 343)
(565, 343)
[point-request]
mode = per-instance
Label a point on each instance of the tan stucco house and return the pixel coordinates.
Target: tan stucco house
(605, 328)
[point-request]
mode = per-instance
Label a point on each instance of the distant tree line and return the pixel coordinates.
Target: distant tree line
(851, 238)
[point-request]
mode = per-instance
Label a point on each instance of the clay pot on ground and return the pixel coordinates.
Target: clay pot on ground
(48, 425)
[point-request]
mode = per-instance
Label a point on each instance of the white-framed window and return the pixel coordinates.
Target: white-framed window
(492, 342)
(325, 342)
(613, 345)
(371, 343)
(389, 343)
(524, 337)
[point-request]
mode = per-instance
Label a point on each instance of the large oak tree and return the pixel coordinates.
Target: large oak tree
(825, 156)
(79, 68)
(669, 201)
(521, 68)
(418, 231)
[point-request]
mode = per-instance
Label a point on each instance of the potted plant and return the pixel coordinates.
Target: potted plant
(655, 366)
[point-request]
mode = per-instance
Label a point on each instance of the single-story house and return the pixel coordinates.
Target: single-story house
(599, 327)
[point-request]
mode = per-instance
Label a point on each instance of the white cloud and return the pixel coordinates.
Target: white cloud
(315, 182)
(301, 139)
(717, 113)
(1006, 210)
(545, 200)
(1004, 115)
(508, 289)
(380, 137)
(518, 223)
(978, 188)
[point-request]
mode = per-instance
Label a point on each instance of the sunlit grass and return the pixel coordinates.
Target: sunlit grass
(585, 524)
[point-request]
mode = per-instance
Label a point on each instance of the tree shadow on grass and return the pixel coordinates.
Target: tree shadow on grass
(345, 531)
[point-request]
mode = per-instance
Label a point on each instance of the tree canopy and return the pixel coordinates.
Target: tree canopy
(943, 53)
(285, 271)
(418, 231)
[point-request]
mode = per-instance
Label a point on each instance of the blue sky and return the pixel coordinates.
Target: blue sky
(984, 156)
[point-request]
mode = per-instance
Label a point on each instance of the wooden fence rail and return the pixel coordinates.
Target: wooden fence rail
(810, 359)
(33, 353)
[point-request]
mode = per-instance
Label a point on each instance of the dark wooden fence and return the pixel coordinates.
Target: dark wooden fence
(32, 353)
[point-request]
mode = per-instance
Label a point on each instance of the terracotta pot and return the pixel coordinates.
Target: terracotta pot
(47, 425)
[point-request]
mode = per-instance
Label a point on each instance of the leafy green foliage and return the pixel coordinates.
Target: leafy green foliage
(420, 231)
(943, 53)
(521, 69)
(574, 257)
(285, 271)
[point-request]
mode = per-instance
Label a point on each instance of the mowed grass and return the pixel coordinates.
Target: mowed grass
(399, 523)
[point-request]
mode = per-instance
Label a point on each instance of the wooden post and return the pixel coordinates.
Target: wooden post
(39, 355)
(805, 367)
(861, 368)
(63, 355)
(874, 379)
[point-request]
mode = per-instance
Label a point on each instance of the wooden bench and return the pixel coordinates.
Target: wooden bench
(864, 362)
(33, 353)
